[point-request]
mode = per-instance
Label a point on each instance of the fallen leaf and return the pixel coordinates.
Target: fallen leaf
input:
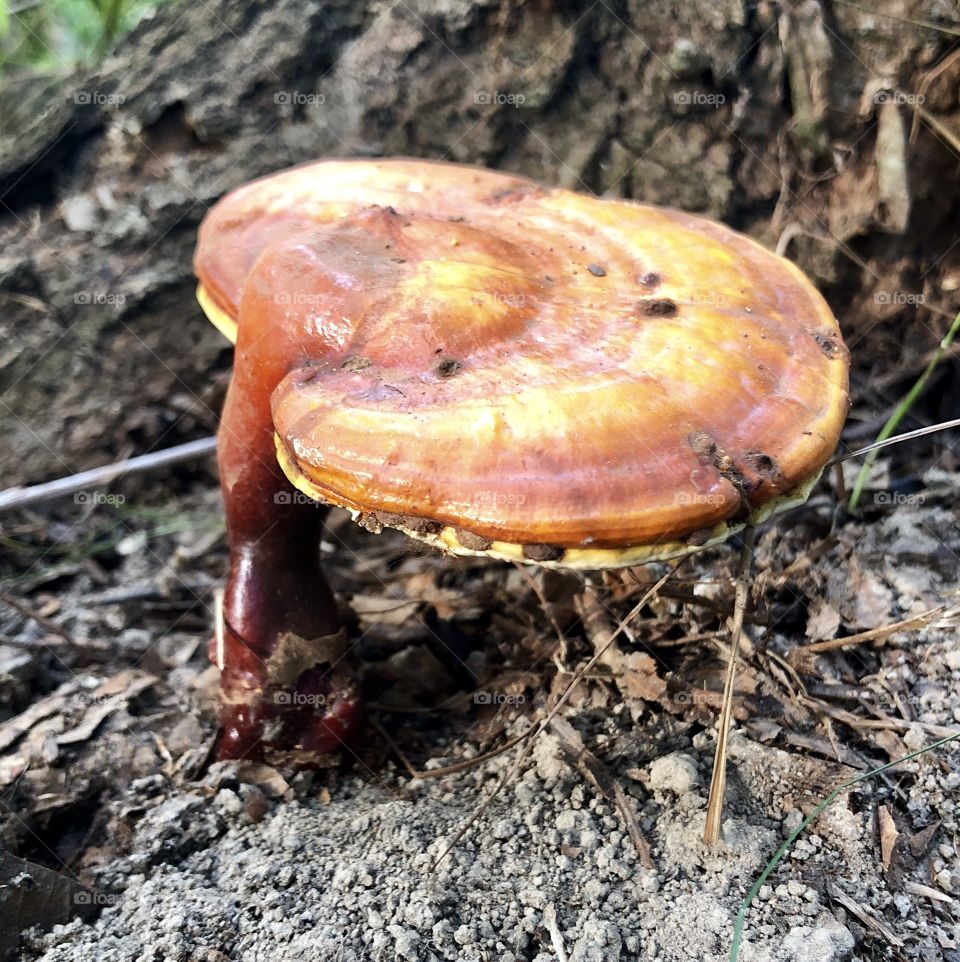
(920, 841)
(637, 677)
(16, 727)
(112, 695)
(823, 621)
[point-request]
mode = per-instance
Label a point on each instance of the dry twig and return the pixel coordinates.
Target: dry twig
(21, 497)
(594, 771)
(718, 783)
(879, 634)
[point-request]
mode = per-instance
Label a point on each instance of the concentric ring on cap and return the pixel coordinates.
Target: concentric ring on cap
(534, 374)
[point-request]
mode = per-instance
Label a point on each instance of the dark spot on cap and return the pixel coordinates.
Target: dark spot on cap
(709, 451)
(307, 376)
(473, 542)
(757, 467)
(658, 307)
(356, 363)
(828, 344)
(762, 463)
(447, 367)
(409, 522)
(542, 552)
(650, 279)
(596, 270)
(703, 445)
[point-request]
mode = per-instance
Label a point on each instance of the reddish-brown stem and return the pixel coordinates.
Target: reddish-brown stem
(275, 585)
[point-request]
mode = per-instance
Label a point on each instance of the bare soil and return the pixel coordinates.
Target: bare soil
(144, 849)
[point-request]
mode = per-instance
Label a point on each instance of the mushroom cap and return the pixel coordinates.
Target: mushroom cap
(501, 368)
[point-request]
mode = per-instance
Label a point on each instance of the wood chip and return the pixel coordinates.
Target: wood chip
(556, 936)
(865, 916)
(888, 835)
(915, 888)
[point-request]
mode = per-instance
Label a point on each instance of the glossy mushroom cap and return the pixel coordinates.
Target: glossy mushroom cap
(496, 367)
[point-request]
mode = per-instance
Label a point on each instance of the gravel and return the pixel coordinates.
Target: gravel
(546, 873)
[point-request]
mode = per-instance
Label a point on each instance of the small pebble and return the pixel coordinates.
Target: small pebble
(675, 773)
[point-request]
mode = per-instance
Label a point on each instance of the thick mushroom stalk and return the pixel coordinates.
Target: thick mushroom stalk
(275, 587)
(494, 368)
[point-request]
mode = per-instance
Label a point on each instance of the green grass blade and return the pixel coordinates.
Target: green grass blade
(901, 411)
(812, 817)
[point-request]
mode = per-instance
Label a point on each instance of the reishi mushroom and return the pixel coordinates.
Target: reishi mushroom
(494, 367)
